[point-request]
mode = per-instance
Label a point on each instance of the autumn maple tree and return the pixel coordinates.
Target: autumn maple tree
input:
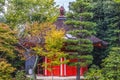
(7, 48)
(7, 41)
(5, 70)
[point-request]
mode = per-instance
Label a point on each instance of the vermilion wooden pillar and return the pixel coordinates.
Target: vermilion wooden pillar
(45, 72)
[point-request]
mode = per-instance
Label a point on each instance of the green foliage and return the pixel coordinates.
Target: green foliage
(114, 30)
(54, 39)
(16, 62)
(7, 41)
(117, 1)
(94, 73)
(103, 16)
(5, 70)
(111, 64)
(2, 3)
(7, 51)
(102, 10)
(98, 55)
(22, 11)
(110, 67)
(20, 75)
(79, 17)
(106, 16)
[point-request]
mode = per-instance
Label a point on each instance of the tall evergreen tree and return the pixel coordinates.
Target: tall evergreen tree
(114, 37)
(79, 18)
(103, 10)
(110, 67)
(114, 26)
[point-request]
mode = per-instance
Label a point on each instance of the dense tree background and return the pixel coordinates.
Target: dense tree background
(102, 10)
(108, 31)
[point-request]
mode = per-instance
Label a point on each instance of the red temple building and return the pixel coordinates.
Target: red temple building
(63, 69)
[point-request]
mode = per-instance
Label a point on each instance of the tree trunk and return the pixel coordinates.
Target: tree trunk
(34, 67)
(78, 71)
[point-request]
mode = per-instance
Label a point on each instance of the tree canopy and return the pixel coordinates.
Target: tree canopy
(21, 11)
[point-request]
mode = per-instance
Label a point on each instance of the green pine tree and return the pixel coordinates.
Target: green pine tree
(81, 27)
(114, 29)
(103, 10)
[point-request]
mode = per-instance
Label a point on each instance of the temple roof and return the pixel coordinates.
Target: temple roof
(60, 23)
(96, 40)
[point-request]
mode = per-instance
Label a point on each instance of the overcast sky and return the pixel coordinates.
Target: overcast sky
(64, 3)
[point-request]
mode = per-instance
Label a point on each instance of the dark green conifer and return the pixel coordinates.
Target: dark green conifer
(81, 28)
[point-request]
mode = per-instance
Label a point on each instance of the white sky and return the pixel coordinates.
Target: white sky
(64, 3)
